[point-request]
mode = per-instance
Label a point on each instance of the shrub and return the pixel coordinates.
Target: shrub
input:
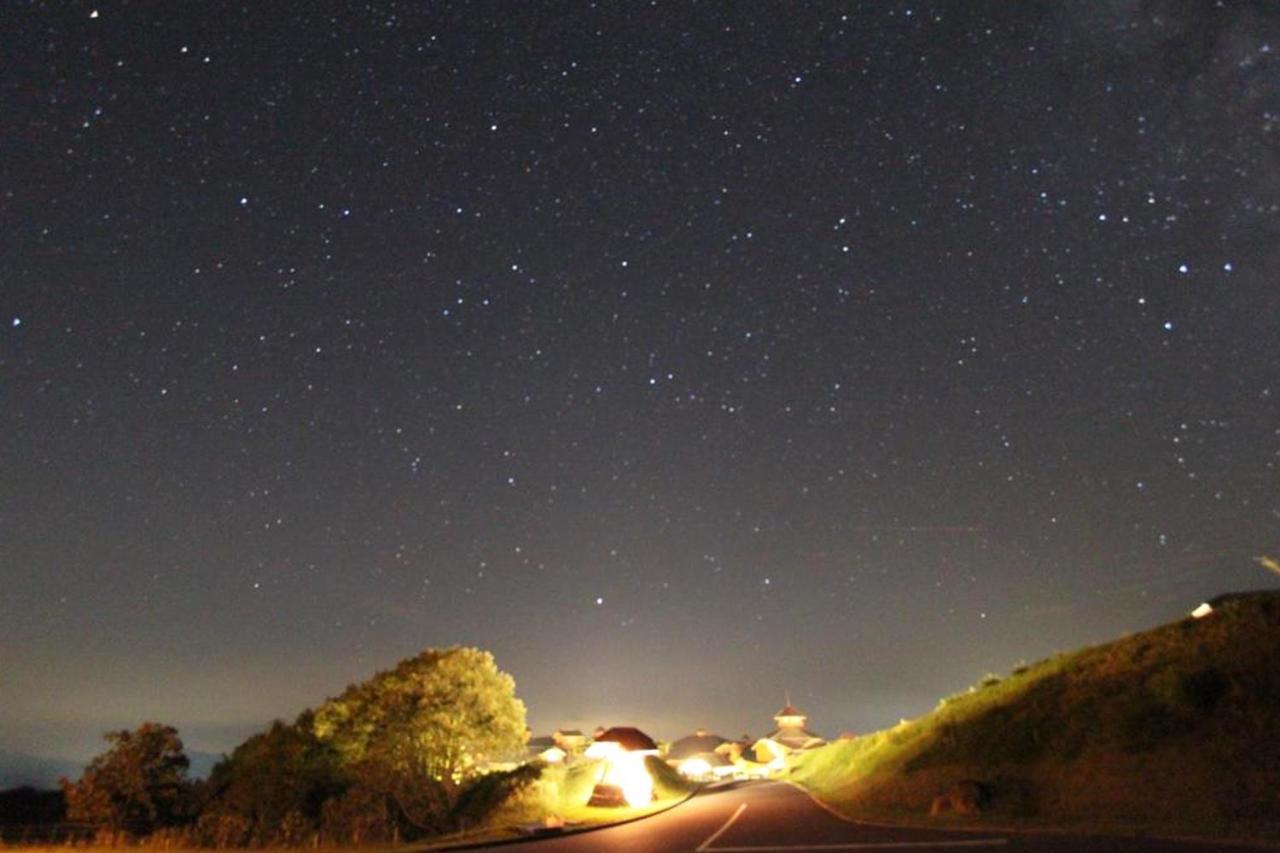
(222, 829)
(360, 815)
(488, 794)
(667, 782)
(275, 783)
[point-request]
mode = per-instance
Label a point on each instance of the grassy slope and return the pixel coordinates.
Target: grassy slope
(1176, 729)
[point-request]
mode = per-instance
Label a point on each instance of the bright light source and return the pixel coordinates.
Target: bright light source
(624, 770)
(553, 755)
(605, 749)
(628, 772)
(1202, 611)
(695, 768)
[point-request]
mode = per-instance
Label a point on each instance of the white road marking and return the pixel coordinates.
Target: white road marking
(742, 807)
(867, 845)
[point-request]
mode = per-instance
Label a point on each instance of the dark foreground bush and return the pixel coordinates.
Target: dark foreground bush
(272, 789)
(483, 797)
(26, 805)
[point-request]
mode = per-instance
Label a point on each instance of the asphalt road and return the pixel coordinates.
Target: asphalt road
(765, 816)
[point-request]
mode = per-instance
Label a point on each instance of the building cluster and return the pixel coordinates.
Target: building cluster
(701, 755)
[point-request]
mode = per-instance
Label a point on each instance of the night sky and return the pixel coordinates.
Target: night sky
(681, 354)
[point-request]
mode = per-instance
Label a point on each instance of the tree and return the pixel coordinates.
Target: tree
(417, 732)
(275, 783)
(139, 784)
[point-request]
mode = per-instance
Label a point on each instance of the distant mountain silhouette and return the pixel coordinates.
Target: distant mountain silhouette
(18, 769)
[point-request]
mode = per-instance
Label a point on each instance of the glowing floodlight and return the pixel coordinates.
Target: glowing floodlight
(604, 749)
(623, 752)
(553, 755)
(694, 768)
(629, 773)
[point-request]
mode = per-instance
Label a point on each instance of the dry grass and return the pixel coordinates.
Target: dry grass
(1176, 729)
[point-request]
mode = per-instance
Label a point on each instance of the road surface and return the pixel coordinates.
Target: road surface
(773, 816)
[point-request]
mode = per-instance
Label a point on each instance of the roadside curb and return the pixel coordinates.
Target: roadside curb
(1239, 843)
(566, 833)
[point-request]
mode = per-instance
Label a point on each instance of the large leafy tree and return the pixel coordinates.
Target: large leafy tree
(418, 731)
(275, 782)
(138, 784)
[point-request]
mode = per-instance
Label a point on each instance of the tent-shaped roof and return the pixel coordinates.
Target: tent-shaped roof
(795, 737)
(630, 739)
(789, 711)
(716, 759)
(694, 744)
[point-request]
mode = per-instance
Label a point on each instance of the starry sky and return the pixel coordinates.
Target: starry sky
(679, 353)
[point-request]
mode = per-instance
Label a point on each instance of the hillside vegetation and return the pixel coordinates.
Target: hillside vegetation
(507, 805)
(1176, 729)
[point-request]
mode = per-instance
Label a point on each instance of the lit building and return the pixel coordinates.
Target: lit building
(571, 741)
(790, 730)
(545, 749)
(699, 756)
(624, 778)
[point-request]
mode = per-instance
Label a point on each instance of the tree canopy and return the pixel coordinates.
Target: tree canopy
(386, 760)
(138, 784)
(275, 780)
(435, 718)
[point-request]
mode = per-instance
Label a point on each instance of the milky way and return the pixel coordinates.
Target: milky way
(681, 354)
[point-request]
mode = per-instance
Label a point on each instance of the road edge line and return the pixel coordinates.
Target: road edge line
(724, 827)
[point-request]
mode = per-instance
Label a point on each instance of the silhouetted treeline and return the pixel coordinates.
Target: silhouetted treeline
(26, 805)
(402, 756)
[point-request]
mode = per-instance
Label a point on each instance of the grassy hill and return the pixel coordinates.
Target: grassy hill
(1175, 729)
